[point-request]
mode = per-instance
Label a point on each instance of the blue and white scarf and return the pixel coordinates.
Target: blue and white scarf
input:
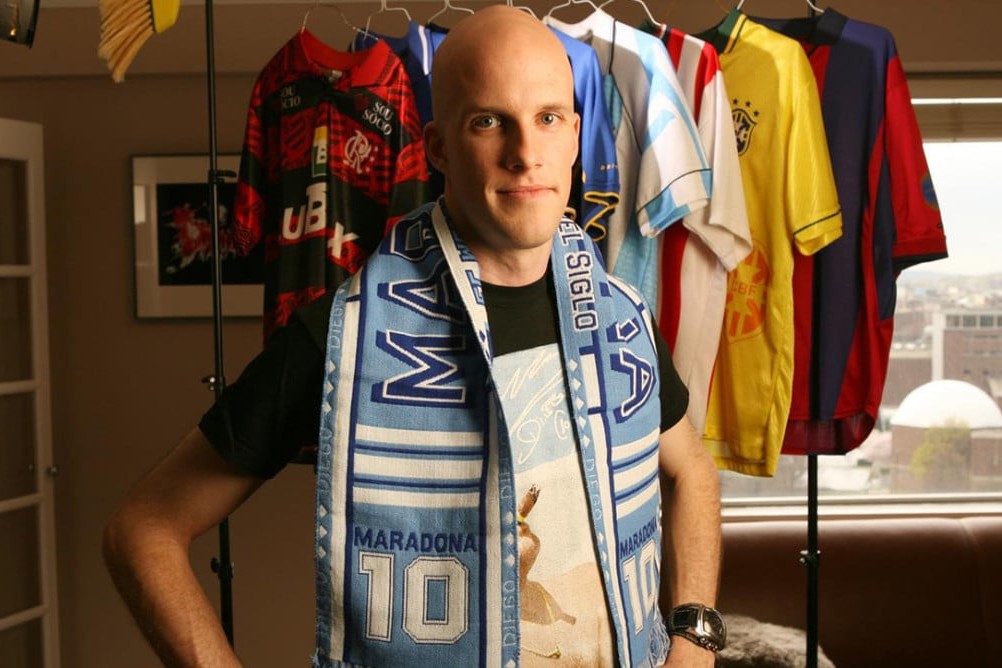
(417, 560)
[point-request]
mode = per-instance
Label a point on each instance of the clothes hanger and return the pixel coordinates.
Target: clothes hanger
(384, 8)
(446, 7)
(511, 4)
(570, 3)
(810, 4)
(328, 5)
(643, 4)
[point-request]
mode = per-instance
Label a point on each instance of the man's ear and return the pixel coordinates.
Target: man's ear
(434, 146)
(577, 134)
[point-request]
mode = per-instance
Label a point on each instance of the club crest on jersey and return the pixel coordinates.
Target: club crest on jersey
(744, 118)
(929, 192)
(744, 311)
(357, 152)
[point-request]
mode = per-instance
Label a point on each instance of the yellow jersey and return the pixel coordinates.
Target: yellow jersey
(792, 207)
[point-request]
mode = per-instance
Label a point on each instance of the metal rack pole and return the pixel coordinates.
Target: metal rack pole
(811, 558)
(221, 566)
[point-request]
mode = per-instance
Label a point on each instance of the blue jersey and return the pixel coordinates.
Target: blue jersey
(597, 190)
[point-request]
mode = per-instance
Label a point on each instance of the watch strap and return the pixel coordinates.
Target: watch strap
(702, 641)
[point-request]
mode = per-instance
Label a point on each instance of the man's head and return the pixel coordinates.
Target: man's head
(505, 134)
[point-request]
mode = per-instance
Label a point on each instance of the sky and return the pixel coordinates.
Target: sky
(968, 181)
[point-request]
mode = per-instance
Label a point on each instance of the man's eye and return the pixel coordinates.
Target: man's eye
(486, 122)
(549, 119)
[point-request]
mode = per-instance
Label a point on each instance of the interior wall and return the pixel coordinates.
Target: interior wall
(125, 390)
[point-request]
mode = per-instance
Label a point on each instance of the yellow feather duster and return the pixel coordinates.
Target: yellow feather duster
(127, 24)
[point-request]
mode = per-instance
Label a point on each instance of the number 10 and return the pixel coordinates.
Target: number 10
(423, 575)
(641, 584)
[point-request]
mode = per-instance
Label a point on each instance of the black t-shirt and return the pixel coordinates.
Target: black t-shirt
(272, 412)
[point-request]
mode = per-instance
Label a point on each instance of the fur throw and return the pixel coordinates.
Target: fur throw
(755, 644)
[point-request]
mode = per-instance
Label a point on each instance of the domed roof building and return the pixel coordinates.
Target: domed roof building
(942, 402)
(946, 437)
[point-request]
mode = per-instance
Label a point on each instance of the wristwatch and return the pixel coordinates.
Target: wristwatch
(700, 624)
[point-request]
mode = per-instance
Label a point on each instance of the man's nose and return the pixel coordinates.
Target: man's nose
(523, 149)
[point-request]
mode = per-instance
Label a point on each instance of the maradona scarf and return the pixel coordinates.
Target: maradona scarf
(417, 560)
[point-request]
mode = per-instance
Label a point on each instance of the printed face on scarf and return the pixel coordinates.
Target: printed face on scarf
(505, 133)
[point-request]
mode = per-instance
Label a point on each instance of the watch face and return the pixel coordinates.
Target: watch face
(715, 624)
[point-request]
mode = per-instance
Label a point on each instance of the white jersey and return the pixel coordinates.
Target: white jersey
(663, 172)
(697, 255)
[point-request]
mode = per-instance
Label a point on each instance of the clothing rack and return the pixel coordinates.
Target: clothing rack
(221, 566)
(811, 558)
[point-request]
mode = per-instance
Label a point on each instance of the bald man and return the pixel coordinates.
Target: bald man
(505, 136)
(499, 417)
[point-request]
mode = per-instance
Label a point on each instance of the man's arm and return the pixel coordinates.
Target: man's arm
(146, 550)
(692, 518)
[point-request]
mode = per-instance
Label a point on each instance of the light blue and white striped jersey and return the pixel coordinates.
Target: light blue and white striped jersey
(663, 172)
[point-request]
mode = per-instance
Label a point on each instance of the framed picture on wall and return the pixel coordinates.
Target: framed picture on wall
(173, 240)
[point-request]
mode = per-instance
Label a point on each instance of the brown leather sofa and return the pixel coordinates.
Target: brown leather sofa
(902, 592)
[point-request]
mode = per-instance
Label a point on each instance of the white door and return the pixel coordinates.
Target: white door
(28, 615)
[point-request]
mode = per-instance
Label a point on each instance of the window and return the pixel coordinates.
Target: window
(948, 327)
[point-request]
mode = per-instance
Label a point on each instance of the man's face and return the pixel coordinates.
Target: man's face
(507, 146)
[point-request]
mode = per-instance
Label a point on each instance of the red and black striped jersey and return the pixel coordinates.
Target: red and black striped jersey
(332, 158)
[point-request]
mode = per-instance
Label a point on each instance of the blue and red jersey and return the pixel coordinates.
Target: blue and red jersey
(844, 295)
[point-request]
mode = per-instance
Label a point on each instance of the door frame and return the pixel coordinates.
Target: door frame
(23, 141)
